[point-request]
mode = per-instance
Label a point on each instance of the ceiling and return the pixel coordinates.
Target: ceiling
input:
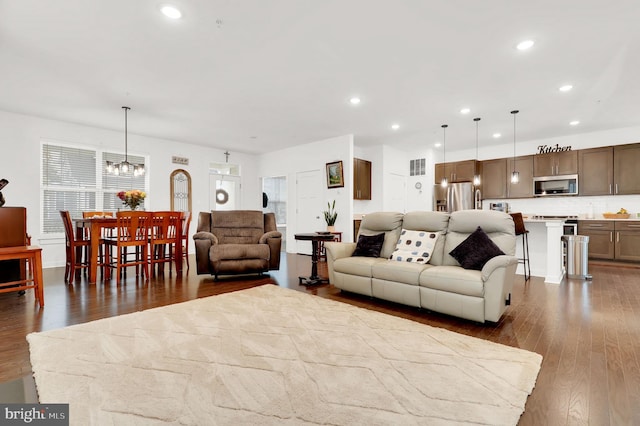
(255, 76)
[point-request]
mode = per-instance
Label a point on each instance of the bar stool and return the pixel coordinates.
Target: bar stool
(521, 230)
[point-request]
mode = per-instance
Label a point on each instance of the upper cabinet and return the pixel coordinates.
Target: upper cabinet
(524, 167)
(626, 173)
(458, 171)
(555, 163)
(596, 171)
(611, 170)
(361, 179)
(494, 178)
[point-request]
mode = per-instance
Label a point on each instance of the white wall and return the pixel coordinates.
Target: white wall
(20, 139)
(314, 156)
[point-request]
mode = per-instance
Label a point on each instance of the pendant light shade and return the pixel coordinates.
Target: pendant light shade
(124, 166)
(476, 176)
(444, 183)
(515, 176)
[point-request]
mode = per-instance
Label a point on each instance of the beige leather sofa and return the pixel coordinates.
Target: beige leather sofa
(441, 285)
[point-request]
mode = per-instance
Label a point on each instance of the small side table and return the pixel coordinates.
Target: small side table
(315, 239)
(322, 254)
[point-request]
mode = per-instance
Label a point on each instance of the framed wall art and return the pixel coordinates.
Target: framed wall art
(335, 175)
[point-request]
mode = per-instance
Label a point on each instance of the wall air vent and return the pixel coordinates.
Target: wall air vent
(417, 167)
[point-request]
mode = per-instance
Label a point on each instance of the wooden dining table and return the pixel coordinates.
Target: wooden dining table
(96, 224)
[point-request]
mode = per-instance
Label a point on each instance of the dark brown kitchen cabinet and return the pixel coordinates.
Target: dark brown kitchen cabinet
(601, 237)
(626, 170)
(627, 240)
(494, 179)
(555, 163)
(524, 187)
(361, 179)
(595, 167)
(458, 171)
(612, 239)
(611, 170)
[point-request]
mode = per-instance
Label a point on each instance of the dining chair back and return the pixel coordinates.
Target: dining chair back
(132, 232)
(77, 248)
(186, 223)
(163, 237)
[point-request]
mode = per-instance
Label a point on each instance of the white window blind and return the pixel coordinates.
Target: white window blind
(75, 179)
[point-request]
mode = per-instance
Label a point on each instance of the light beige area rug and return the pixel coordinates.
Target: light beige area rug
(270, 355)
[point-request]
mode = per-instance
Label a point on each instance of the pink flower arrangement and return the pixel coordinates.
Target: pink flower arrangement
(132, 198)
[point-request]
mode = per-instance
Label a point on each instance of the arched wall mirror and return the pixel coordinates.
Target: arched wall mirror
(180, 190)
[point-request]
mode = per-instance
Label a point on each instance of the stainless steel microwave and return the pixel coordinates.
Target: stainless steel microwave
(555, 185)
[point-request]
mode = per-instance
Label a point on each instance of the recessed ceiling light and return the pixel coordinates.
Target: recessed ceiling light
(437, 144)
(395, 126)
(465, 111)
(524, 45)
(574, 123)
(355, 100)
(497, 135)
(171, 12)
(565, 88)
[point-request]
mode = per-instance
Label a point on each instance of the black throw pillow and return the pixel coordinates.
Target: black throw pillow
(369, 245)
(476, 250)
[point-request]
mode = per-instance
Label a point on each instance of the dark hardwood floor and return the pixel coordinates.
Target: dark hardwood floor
(587, 331)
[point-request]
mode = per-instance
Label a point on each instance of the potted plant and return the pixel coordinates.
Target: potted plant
(330, 216)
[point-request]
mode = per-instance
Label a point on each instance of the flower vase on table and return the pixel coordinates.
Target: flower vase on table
(133, 198)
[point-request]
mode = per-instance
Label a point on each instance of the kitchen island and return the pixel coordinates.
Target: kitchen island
(545, 248)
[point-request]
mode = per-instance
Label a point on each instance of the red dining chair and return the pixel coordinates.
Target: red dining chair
(77, 248)
(132, 232)
(163, 238)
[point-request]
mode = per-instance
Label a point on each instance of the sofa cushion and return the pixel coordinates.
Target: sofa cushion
(453, 279)
(388, 222)
(369, 245)
(239, 252)
(415, 246)
(401, 272)
(497, 225)
(360, 266)
(475, 250)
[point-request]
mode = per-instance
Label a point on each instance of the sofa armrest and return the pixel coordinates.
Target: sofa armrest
(498, 276)
(204, 240)
(274, 240)
(270, 234)
(203, 235)
(494, 263)
(337, 251)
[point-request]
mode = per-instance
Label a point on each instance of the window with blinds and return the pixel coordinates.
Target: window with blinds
(75, 179)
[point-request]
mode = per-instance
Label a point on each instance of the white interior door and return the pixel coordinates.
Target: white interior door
(308, 207)
(397, 186)
(224, 192)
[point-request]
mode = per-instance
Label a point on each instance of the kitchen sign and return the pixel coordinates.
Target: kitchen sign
(545, 149)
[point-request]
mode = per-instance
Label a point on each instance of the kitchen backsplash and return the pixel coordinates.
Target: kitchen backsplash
(580, 206)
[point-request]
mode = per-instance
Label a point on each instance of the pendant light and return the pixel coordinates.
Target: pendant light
(476, 177)
(124, 167)
(515, 176)
(444, 181)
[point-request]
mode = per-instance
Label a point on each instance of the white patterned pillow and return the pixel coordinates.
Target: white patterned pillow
(415, 246)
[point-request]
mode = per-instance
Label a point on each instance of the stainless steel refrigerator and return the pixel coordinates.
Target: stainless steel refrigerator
(456, 196)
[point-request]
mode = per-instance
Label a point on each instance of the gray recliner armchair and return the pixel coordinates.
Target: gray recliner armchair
(237, 242)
